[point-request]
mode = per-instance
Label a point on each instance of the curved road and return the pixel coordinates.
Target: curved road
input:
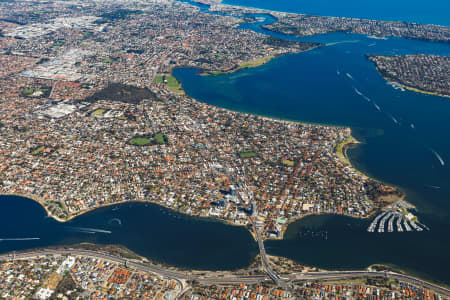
(181, 277)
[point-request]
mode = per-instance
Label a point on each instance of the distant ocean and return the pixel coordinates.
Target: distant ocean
(429, 12)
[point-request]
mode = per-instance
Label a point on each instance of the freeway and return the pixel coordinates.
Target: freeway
(339, 275)
(174, 275)
(218, 278)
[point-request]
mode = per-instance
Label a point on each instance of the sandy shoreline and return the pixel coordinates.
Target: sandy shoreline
(421, 91)
(342, 156)
(255, 63)
(397, 84)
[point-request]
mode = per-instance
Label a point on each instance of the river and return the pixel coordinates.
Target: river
(158, 233)
(401, 132)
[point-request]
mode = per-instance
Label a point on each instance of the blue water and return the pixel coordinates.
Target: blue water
(157, 233)
(428, 12)
(311, 86)
(306, 87)
(399, 130)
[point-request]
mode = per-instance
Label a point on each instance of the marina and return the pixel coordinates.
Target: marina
(392, 152)
(387, 151)
(396, 214)
(394, 220)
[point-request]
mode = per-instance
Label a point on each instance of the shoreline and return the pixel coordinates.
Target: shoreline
(243, 66)
(340, 151)
(38, 200)
(253, 63)
(342, 155)
(252, 269)
(343, 146)
(416, 90)
(396, 84)
(73, 216)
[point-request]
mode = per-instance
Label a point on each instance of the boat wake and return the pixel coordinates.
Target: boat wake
(349, 76)
(438, 157)
(20, 239)
(115, 221)
(361, 94)
(433, 186)
(88, 230)
(394, 119)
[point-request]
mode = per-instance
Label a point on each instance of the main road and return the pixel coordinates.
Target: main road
(218, 278)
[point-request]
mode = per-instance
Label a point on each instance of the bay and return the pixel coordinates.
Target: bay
(339, 242)
(160, 234)
(399, 130)
(317, 86)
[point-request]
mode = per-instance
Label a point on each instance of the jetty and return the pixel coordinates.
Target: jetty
(407, 227)
(374, 223)
(394, 218)
(399, 225)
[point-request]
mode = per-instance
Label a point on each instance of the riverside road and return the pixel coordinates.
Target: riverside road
(218, 278)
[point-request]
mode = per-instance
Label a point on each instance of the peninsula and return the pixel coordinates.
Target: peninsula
(92, 118)
(429, 74)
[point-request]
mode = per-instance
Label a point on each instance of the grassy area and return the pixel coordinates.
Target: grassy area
(288, 163)
(247, 154)
(255, 63)
(108, 60)
(170, 82)
(98, 112)
(157, 139)
(30, 92)
(215, 73)
(341, 146)
(160, 139)
(27, 92)
(140, 141)
(159, 78)
(38, 150)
